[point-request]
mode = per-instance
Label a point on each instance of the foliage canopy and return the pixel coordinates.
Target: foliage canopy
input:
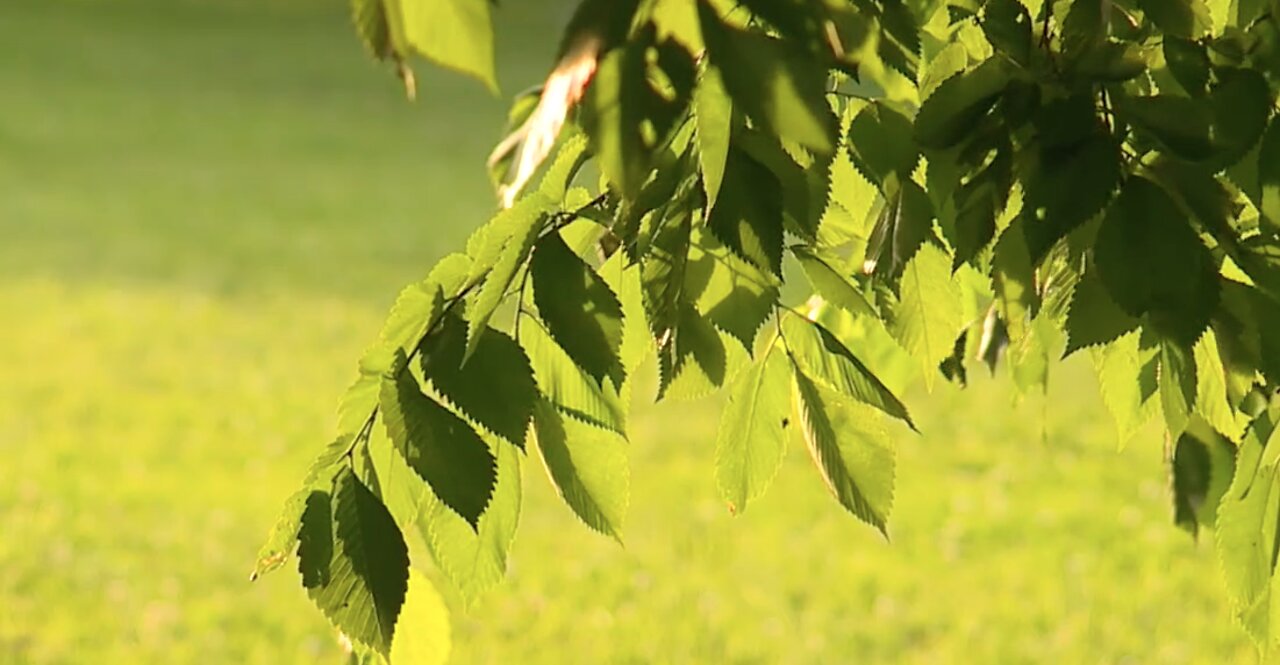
(1001, 182)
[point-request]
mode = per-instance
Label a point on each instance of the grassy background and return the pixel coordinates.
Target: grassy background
(206, 207)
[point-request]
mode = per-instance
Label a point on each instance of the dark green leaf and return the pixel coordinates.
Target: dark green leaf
(1108, 61)
(1189, 63)
(955, 108)
(1188, 19)
(581, 312)
(880, 142)
(440, 447)
(474, 560)
(588, 466)
(1154, 265)
(495, 389)
(748, 216)
(695, 361)
(1269, 172)
(1203, 463)
(852, 455)
(353, 561)
(1007, 25)
(1241, 104)
(1068, 185)
(1094, 318)
(1181, 124)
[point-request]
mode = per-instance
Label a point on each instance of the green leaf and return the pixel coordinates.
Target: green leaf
(1069, 184)
(353, 561)
(1013, 279)
(569, 160)
(1189, 63)
(475, 560)
(978, 203)
(1182, 125)
(772, 80)
(955, 108)
(283, 539)
(905, 223)
(501, 250)
(419, 305)
(928, 316)
(370, 20)
(588, 466)
(853, 456)
(1213, 403)
(636, 97)
(580, 310)
(1247, 523)
(713, 115)
(1127, 380)
(1202, 465)
(1177, 386)
(734, 295)
(752, 436)
(1188, 19)
(828, 283)
(440, 447)
(568, 386)
(1093, 317)
(662, 272)
(880, 142)
(422, 632)
(748, 215)
(1269, 172)
(624, 280)
(457, 34)
(825, 359)
(495, 389)
(696, 361)
(1154, 265)
(1007, 25)
(1108, 61)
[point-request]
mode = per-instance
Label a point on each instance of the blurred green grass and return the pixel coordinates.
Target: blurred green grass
(205, 208)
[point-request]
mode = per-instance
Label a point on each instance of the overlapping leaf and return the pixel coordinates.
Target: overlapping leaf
(588, 466)
(581, 312)
(852, 454)
(441, 447)
(353, 561)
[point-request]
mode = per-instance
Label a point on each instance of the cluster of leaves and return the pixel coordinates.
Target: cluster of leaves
(998, 182)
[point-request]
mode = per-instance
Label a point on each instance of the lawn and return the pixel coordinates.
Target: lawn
(205, 209)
